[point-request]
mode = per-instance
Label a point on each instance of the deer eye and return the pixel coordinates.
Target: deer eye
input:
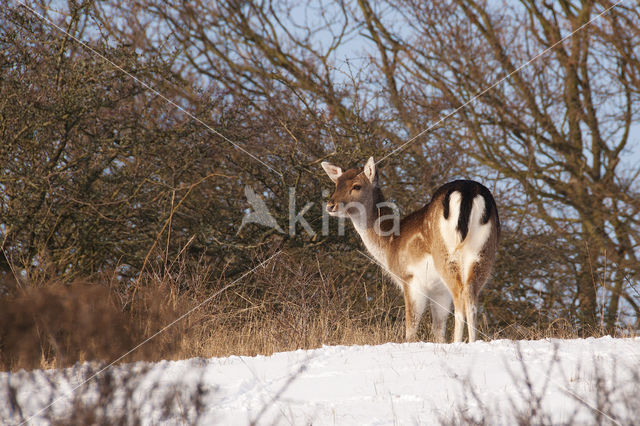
(356, 187)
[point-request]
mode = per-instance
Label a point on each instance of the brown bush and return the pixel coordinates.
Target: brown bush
(57, 325)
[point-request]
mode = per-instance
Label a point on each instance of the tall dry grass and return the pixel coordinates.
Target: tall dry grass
(284, 305)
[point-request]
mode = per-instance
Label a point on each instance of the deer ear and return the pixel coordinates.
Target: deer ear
(370, 171)
(334, 172)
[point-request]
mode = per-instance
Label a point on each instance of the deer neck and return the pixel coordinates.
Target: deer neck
(373, 231)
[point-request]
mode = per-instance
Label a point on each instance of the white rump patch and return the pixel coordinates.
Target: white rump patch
(467, 251)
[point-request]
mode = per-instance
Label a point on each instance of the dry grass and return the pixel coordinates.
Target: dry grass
(609, 399)
(288, 306)
(283, 306)
(113, 397)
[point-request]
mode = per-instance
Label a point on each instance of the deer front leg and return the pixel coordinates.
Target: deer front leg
(410, 322)
(415, 302)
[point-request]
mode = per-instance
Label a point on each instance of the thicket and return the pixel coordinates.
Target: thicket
(124, 163)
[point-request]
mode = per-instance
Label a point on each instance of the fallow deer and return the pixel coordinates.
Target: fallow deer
(442, 252)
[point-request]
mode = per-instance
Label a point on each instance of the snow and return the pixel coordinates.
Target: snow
(412, 383)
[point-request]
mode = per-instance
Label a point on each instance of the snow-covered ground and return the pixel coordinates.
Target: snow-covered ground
(575, 381)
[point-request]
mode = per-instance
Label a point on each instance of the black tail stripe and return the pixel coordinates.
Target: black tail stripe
(465, 213)
(468, 191)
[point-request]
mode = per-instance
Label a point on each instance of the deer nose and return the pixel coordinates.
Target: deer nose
(331, 206)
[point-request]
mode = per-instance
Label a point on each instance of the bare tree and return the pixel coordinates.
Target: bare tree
(560, 127)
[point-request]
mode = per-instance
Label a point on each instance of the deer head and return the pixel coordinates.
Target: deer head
(356, 190)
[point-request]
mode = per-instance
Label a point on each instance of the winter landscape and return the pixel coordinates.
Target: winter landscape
(350, 212)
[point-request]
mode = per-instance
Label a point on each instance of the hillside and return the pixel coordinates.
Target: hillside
(546, 381)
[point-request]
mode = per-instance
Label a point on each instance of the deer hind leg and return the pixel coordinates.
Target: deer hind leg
(459, 314)
(470, 307)
(477, 276)
(451, 275)
(415, 302)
